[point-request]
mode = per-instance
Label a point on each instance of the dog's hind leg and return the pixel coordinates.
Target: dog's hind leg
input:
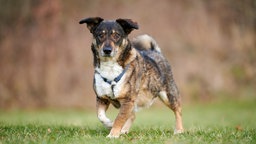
(128, 124)
(178, 117)
(173, 102)
(102, 106)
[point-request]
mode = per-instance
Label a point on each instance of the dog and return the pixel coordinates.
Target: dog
(129, 74)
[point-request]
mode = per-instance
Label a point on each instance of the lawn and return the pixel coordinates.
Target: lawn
(229, 122)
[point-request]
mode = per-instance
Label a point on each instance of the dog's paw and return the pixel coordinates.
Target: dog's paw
(111, 136)
(124, 131)
(178, 131)
(114, 133)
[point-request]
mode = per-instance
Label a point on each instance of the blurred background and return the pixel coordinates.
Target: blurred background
(46, 61)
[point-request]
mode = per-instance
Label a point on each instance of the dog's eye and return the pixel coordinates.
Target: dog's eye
(116, 36)
(101, 36)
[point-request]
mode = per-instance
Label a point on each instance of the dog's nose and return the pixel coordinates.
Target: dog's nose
(107, 50)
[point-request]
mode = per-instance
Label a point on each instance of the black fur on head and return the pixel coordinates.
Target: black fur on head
(109, 36)
(127, 24)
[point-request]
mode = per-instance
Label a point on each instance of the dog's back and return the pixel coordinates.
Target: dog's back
(154, 59)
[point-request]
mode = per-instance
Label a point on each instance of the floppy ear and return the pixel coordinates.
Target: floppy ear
(92, 22)
(128, 25)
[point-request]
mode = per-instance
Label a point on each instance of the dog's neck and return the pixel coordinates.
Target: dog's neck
(124, 56)
(127, 56)
(109, 70)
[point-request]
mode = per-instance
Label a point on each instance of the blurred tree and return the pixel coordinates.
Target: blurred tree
(211, 45)
(28, 50)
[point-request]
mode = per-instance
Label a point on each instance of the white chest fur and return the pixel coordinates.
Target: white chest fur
(109, 70)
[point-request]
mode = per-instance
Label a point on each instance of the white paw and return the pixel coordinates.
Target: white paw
(178, 131)
(112, 136)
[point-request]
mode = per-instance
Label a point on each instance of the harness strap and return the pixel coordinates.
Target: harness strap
(117, 79)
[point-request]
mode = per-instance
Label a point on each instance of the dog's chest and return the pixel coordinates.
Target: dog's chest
(108, 70)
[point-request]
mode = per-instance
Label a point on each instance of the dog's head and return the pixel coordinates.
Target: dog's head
(109, 37)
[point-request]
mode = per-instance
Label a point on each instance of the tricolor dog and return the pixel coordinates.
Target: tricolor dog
(129, 74)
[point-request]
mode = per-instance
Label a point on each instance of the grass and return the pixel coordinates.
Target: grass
(231, 122)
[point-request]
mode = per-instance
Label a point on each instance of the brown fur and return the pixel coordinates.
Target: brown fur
(147, 74)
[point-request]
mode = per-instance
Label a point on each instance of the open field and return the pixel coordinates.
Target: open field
(231, 122)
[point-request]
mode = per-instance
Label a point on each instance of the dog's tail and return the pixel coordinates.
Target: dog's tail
(145, 42)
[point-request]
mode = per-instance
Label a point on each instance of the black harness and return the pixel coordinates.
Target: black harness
(116, 80)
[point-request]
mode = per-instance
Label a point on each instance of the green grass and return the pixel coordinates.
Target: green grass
(232, 122)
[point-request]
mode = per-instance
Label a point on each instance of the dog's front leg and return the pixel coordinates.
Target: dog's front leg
(102, 106)
(128, 124)
(126, 111)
